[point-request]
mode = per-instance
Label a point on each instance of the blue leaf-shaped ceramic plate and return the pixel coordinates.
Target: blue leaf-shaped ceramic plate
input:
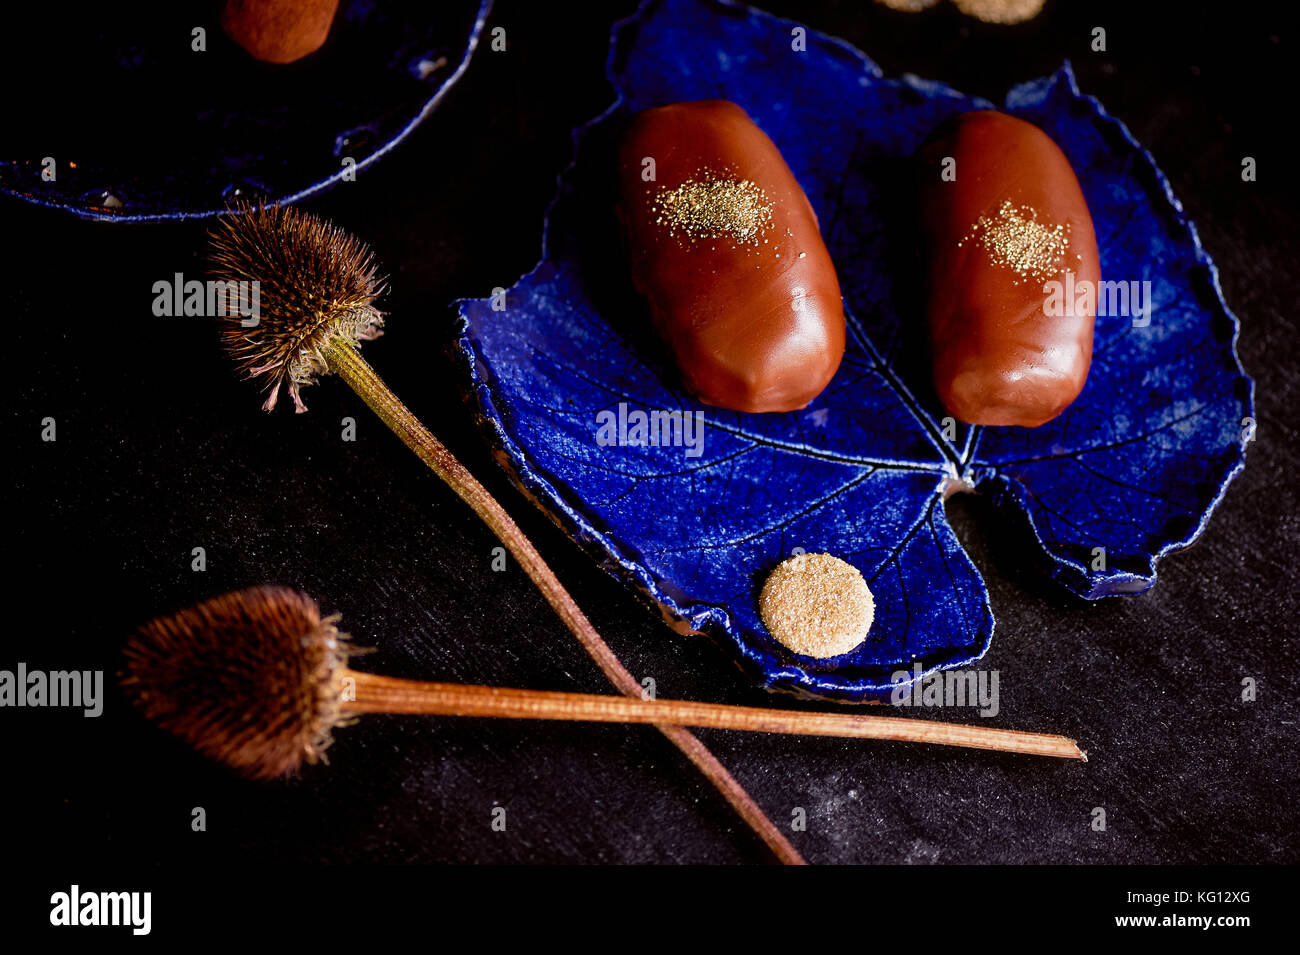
(143, 127)
(1130, 472)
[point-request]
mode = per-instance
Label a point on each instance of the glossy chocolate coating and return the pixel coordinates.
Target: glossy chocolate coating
(753, 325)
(998, 357)
(279, 31)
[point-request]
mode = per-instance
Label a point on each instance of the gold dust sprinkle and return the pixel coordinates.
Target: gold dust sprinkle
(1000, 11)
(817, 605)
(714, 207)
(1015, 239)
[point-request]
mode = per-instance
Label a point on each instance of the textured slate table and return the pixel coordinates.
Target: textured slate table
(160, 450)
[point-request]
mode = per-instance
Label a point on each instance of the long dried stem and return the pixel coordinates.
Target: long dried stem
(382, 694)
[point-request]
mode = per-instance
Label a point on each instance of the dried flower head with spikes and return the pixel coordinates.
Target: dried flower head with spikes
(316, 283)
(251, 678)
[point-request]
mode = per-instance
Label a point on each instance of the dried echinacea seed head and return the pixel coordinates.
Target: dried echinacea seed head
(817, 605)
(249, 678)
(315, 283)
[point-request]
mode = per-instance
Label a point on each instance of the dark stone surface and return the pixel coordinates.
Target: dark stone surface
(161, 450)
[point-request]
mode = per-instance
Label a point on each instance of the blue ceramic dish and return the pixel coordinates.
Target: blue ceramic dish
(1129, 473)
(143, 127)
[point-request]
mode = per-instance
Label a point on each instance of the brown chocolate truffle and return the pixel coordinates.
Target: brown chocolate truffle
(278, 31)
(724, 246)
(1012, 222)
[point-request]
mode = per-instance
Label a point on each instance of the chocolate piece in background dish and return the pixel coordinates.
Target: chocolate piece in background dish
(278, 31)
(1013, 220)
(725, 247)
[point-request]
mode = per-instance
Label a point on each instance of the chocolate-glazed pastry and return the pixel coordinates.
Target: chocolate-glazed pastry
(724, 246)
(1013, 220)
(279, 31)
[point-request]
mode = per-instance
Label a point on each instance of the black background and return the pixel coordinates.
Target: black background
(161, 450)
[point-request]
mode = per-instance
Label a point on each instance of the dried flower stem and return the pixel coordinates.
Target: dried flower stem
(344, 359)
(382, 694)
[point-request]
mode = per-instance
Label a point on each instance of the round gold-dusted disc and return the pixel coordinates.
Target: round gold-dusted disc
(817, 605)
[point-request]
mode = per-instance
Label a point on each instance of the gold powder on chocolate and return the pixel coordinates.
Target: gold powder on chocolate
(714, 207)
(817, 605)
(1014, 239)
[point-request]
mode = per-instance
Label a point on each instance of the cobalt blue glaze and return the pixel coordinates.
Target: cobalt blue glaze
(273, 132)
(1135, 466)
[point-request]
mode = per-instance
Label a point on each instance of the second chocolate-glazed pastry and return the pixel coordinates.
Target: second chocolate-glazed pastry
(1004, 218)
(724, 246)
